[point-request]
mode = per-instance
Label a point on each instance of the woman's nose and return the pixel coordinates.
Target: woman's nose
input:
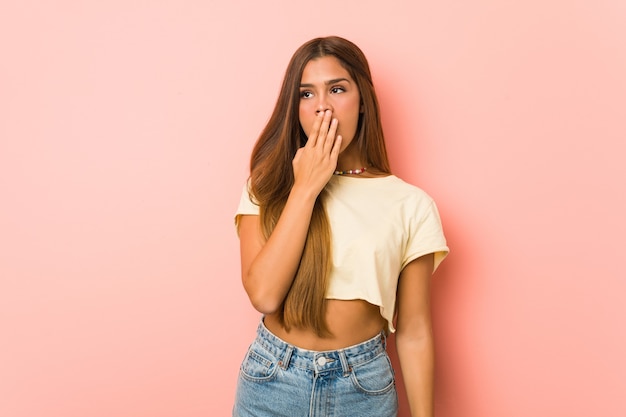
(322, 106)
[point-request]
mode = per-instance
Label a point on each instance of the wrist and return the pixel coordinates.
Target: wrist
(303, 194)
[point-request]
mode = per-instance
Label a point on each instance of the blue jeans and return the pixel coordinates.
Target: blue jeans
(277, 379)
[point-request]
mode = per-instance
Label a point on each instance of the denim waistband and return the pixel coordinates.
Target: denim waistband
(320, 361)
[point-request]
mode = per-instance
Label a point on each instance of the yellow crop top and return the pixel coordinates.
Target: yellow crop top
(378, 225)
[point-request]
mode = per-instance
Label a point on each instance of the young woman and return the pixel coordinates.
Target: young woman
(336, 252)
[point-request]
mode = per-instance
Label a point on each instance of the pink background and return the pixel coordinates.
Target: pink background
(125, 132)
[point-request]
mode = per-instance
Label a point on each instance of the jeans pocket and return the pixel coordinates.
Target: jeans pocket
(258, 365)
(374, 377)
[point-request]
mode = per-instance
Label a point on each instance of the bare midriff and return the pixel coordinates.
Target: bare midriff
(350, 322)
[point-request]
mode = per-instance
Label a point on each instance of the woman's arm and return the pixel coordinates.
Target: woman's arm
(414, 338)
(268, 267)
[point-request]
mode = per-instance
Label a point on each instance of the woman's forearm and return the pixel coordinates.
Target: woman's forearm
(271, 270)
(417, 360)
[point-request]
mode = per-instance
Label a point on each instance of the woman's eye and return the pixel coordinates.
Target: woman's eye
(306, 94)
(336, 90)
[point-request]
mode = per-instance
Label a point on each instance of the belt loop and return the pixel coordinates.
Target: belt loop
(345, 367)
(284, 363)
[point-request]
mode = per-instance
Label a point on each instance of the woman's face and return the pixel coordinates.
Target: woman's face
(326, 85)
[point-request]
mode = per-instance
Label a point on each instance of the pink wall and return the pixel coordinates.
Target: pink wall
(125, 130)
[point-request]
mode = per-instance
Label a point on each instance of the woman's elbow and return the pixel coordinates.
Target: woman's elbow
(264, 305)
(411, 339)
(264, 300)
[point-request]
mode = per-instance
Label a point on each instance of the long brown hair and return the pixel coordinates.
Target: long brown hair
(271, 174)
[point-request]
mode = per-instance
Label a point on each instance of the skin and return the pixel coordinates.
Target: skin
(327, 86)
(329, 112)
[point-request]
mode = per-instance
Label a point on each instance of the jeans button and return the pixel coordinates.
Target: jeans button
(321, 361)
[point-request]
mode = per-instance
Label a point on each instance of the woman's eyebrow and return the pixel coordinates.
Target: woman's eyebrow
(333, 81)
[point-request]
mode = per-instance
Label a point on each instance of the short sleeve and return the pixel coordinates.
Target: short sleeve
(246, 205)
(426, 236)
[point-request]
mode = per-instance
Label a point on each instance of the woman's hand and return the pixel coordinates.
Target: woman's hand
(315, 162)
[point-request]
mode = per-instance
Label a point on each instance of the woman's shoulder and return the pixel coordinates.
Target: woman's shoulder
(390, 183)
(409, 192)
